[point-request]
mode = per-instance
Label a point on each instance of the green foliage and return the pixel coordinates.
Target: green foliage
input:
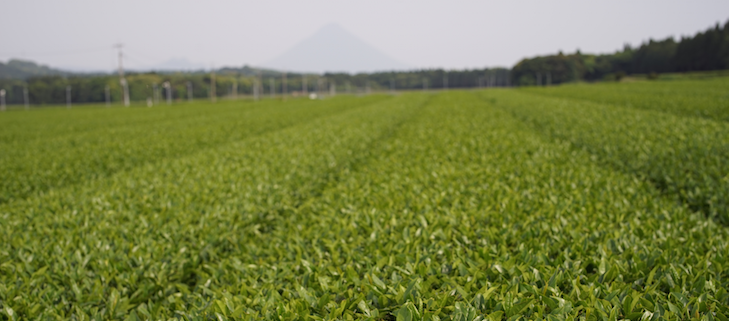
(413, 207)
(707, 50)
(654, 57)
(707, 98)
(41, 156)
(683, 157)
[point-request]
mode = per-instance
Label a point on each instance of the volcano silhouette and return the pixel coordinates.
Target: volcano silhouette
(334, 49)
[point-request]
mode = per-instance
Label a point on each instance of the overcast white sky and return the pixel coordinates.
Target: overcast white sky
(452, 34)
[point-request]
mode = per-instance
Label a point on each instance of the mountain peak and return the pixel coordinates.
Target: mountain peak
(334, 49)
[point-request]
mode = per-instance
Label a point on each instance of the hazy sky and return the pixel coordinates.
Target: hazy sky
(424, 34)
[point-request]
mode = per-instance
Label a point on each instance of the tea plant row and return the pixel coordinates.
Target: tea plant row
(684, 157)
(449, 206)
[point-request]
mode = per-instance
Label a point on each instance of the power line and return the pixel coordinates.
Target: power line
(134, 59)
(143, 59)
(137, 58)
(51, 53)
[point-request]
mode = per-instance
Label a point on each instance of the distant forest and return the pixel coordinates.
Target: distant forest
(708, 50)
(44, 90)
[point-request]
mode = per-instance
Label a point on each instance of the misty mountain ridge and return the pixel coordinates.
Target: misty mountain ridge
(22, 69)
(16, 69)
(334, 49)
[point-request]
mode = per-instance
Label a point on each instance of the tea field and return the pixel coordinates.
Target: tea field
(578, 202)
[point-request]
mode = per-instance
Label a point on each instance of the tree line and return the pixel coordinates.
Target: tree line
(47, 90)
(707, 50)
(424, 79)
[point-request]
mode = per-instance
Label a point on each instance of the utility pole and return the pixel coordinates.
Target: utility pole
(68, 96)
(107, 95)
(213, 96)
(272, 85)
(255, 88)
(235, 89)
(122, 80)
(168, 91)
(155, 93)
(2, 99)
(125, 93)
(259, 81)
(25, 97)
(189, 91)
(284, 89)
